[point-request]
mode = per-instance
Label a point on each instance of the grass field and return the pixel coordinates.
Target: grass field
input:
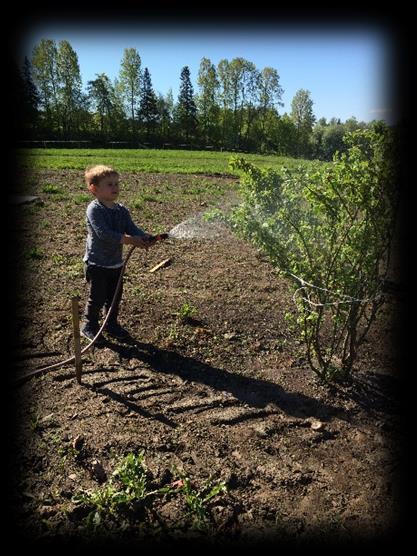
(147, 160)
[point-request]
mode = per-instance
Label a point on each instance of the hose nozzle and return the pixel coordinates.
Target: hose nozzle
(160, 237)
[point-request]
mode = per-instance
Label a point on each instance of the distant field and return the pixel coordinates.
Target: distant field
(146, 160)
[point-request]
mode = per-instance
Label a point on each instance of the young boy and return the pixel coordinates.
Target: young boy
(109, 227)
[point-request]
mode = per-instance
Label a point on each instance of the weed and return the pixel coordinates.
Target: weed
(132, 475)
(213, 214)
(137, 203)
(127, 492)
(82, 198)
(72, 268)
(185, 312)
(58, 259)
(35, 423)
(35, 253)
(151, 198)
(173, 332)
(75, 269)
(58, 193)
(137, 291)
(197, 500)
(126, 488)
(50, 188)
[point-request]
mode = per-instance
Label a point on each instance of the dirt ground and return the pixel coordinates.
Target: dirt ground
(223, 396)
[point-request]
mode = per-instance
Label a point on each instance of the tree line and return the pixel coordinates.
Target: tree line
(235, 108)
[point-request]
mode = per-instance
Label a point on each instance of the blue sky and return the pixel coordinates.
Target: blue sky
(346, 70)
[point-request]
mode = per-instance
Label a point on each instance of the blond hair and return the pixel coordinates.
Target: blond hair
(94, 174)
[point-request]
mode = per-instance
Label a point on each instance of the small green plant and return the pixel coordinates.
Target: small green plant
(186, 312)
(35, 253)
(35, 423)
(137, 291)
(151, 198)
(58, 259)
(173, 333)
(50, 188)
(213, 214)
(132, 475)
(197, 500)
(74, 293)
(58, 193)
(127, 487)
(82, 198)
(127, 492)
(137, 203)
(75, 269)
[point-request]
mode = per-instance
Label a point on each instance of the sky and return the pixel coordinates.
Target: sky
(346, 70)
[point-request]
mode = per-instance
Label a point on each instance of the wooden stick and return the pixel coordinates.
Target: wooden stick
(165, 262)
(76, 334)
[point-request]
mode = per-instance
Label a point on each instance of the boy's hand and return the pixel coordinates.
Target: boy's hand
(143, 241)
(149, 240)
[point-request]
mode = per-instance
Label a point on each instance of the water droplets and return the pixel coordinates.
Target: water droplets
(197, 227)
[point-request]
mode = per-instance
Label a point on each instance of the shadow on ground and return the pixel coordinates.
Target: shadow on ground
(254, 392)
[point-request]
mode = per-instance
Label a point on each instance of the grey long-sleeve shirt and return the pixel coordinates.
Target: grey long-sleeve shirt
(105, 228)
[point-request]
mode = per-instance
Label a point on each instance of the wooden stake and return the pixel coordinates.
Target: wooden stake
(166, 262)
(76, 335)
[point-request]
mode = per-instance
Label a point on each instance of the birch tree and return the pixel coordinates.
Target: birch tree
(69, 91)
(303, 117)
(45, 76)
(208, 108)
(130, 84)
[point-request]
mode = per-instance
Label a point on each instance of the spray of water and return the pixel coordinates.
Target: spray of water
(197, 227)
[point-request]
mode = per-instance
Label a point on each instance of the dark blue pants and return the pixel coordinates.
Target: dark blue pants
(103, 283)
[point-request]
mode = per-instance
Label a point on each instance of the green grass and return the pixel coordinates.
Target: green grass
(146, 160)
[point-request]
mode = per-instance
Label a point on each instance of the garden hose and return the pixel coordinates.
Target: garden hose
(43, 370)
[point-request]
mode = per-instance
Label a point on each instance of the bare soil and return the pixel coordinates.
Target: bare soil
(225, 395)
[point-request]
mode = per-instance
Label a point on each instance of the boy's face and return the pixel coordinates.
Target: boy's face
(107, 188)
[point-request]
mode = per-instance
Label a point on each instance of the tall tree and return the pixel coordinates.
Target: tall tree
(101, 94)
(236, 69)
(270, 93)
(166, 111)
(243, 78)
(248, 98)
(186, 110)
(148, 107)
(285, 136)
(45, 76)
(69, 88)
(26, 102)
(303, 117)
(130, 83)
(121, 128)
(226, 99)
(208, 108)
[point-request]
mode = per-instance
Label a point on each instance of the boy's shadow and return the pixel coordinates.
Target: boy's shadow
(252, 391)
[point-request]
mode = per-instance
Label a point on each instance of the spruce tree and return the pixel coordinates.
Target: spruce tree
(148, 106)
(186, 108)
